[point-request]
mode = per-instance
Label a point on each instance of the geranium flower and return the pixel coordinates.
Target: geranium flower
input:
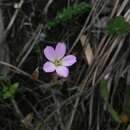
(58, 62)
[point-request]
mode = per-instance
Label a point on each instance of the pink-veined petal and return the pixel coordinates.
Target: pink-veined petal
(62, 71)
(49, 67)
(60, 50)
(69, 60)
(49, 53)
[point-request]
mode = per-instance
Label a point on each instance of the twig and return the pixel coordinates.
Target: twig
(123, 5)
(14, 16)
(37, 33)
(56, 102)
(17, 70)
(47, 7)
(17, 108)
(91, 109)
(85, 24)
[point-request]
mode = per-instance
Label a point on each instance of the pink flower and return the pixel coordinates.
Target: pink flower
(57, 60)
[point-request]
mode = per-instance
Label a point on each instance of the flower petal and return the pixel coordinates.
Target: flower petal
(60, 50)
(69, 60)
(49, 67)
(49, 53)
(62, 71)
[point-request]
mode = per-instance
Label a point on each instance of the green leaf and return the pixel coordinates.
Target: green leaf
(9, 91)
(118, 26)
(105, 95)
(103, 90)
(68, 14)
(113, 113)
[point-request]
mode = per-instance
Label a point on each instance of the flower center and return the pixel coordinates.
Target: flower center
(57, 63)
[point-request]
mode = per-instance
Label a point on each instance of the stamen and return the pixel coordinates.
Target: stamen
(57, 63)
